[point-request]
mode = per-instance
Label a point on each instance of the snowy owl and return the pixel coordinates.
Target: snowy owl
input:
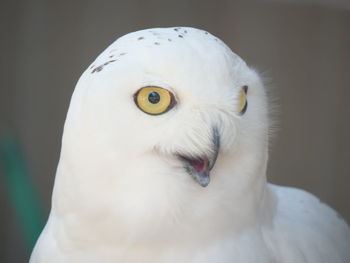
(163, 159)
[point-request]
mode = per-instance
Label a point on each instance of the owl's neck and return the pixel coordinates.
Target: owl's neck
(139, 204)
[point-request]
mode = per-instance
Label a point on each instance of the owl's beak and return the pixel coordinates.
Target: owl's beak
(199, 168)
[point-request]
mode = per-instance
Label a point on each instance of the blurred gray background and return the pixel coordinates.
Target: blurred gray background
(302, 48)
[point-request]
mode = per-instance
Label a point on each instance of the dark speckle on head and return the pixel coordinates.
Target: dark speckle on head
(111, 56)
(140, 38)
(181, 36)
(169, 39)
(156, 43)
(97, 69)
(176, 29)
(185, 31)
(206, 32)
(92, 66)
(122, 54)
(109, 62)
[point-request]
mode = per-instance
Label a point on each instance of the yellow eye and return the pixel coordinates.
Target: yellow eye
(154, 100)
(243, 103)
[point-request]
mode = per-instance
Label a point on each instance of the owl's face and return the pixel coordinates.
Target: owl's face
(159, 115)
(178, 95)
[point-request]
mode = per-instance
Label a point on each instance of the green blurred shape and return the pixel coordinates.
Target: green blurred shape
(21, 190)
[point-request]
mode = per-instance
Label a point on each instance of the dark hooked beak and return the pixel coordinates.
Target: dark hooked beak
(199, 167)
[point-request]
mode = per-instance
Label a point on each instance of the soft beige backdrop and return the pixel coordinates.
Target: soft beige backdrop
(303, 51)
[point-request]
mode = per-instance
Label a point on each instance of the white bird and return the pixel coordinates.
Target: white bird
(163, 159)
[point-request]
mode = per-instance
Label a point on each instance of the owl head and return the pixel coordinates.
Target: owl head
(166, 123)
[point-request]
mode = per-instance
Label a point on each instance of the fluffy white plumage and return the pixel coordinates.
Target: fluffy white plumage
(123, 194)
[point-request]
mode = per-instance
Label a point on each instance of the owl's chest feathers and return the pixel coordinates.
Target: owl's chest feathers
(134, 225)
(208, 240)
(244, 247)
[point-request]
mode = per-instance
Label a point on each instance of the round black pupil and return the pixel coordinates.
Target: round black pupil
(153, 97)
